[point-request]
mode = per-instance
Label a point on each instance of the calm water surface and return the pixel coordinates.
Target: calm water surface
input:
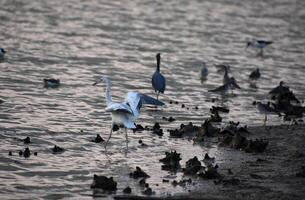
(77, 41)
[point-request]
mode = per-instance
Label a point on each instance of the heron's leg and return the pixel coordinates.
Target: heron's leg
(108, 138)
(126, 138)
(265, 120)
(157, 95)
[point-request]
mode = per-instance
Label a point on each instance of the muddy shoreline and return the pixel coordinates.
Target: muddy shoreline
(274, 174)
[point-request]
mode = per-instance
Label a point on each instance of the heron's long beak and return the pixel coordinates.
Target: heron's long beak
(97, 82)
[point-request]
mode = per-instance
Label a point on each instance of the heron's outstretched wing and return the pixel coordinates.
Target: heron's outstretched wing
(119, 107)
(136, 99)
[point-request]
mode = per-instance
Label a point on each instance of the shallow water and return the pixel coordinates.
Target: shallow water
(77, 41)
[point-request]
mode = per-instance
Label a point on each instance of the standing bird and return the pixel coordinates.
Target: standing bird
(2, 53)
(260, 44)
(158, 80)
(204, 72)
(126, 113)
(255, 74)
(266, 109)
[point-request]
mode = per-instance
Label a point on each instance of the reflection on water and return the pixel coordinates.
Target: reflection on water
(77, 41)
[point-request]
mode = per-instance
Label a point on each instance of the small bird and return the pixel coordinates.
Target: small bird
(266, 109)
(254, 75)
(222, 89)
(158, 80)
(259, 44)
(2, 53)
(51, 82)
(126, 113)
(204, 72)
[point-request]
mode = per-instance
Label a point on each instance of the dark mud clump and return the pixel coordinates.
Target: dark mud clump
(237, 141)
(185, 130)
(98, 139)
(170, 119)
(27, 140)
(26, 153)
(210, 172)
(192, 166)
(102, 182)
(127, 190)
(138, 128)
(206, 130)
(157, 129)
(57, 149)
(171, 161)
(139, 173)
(148, 191)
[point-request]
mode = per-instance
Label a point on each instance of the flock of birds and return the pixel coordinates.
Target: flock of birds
(126, 113)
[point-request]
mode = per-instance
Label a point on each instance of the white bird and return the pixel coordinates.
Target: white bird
(126, 113)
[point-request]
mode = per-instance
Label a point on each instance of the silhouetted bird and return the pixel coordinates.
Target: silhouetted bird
(255, 74)
(259, 44)
(158, 80)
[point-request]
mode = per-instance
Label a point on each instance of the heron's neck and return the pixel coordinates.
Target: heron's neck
(108, 93)
(158, 64)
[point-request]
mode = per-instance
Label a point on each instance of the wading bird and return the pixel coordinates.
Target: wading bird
(259, 44)
(158, 80)
(126, 113)
(204, 72)
(266, 109)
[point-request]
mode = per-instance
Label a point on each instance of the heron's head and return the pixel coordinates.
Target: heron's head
(282, 83)
(104, 79)
(2, 50)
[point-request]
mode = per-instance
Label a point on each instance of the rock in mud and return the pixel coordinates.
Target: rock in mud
(192, 166)
(157, 129)
(57, 149)
(148, 191)
(102, 182)
(98, 139)
(210, 173)
(207, 158)
(127, 190)
(27, 140)
(27, 152)
(139, 128)
(239, 141)
(171, 161)
(139, 173)
(10, 153)
(185, 130)
(115, 128)
(257, 146)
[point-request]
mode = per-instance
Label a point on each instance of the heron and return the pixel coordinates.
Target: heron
(158, 80)
(260, 44)
(125, 114)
